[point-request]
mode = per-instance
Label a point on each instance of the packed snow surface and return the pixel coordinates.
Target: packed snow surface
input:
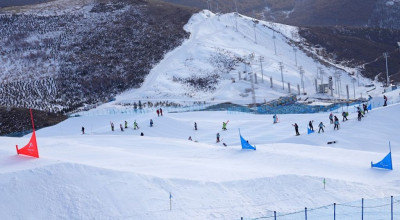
(108, 174)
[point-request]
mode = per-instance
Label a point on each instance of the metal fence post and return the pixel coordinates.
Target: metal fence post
(391, 207)
(362, 209)
(275, 215)
(271, 82)
(334, 211)
(305, 212)
(298, 88)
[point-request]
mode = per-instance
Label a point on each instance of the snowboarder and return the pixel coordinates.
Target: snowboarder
(275, 117)
(224, 125)
(344, 114)
(321, 127)
(331, 118)
(126, 124)
(120, 126)
(135, 125)
(112, 126)
(296, 128)
(158, 113)
(385, 99)
(161, 111)
(151, 122)
(83, 130)
(218, 137)
(310, 124)
(195, 126)
(336, 123)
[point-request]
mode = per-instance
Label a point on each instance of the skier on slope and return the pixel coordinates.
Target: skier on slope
(224, 125)
(310, 124)
(296, 128)
(120, 126)
(359, 115)
(135, 125)
(83, 130)
(195, 126)
(331, 118)
(336, 123)
(365, 107)
(151, 122)
(275, 117)
(158, 112)
(161, 111)
(126, 124)
(385, 100)
(218, 137)
(112, 126)
(344, 115)
(321, 127)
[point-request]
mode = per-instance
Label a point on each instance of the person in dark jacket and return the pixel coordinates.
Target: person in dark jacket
(311, 125)
(296, 128)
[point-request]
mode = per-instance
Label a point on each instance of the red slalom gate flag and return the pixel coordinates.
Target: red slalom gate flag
(31, 148)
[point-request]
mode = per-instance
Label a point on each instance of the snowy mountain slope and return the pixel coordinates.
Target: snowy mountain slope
(121, 175)
(203, 68)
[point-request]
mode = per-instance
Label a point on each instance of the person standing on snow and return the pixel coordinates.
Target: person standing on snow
(365, 107)
(158, 113)
(112, 126)
(83, 130)
(135, 125)
(344, 114)
(385, 99)
(321, 127)
(161, 111)
(120, 126)
(310, 124)
(126, 124)
(275, 117)
(336, 124)
(224, 125)
(331, 118)
(151, 122)
(195, 126)
(218, 137)
(296, 128)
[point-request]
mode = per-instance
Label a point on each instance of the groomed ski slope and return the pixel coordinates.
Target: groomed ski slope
(121, 175)
(214, 43)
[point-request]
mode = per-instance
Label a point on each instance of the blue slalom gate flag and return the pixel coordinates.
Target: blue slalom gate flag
(385, 163)
(369, 107)
(309, 131)
(245, 144)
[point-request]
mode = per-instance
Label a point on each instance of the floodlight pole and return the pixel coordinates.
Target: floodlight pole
(295, 55)
(273, 37)
(386, 55)
(281, 68)
(261, 58)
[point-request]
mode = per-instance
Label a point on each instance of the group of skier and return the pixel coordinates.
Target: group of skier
(333, 119)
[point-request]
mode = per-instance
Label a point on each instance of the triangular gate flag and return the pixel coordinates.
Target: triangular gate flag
(385, 163)
(245, 144)
(31, 148)
(369, 107)
(309, 131)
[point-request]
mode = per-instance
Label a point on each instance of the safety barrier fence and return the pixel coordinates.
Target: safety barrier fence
(371, 209)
